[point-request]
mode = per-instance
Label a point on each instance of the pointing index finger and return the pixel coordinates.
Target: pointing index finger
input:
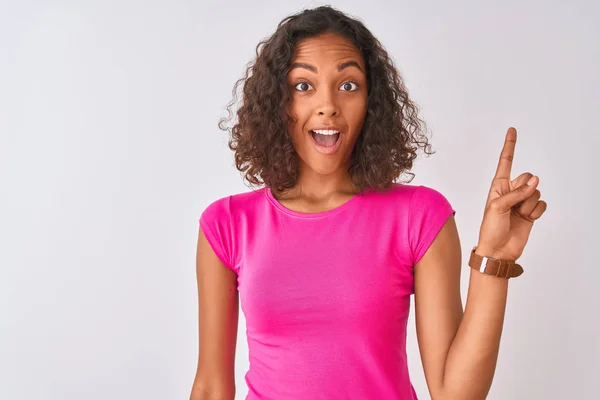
(507, 155)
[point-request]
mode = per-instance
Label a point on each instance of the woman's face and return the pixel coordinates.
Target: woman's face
(329, 101)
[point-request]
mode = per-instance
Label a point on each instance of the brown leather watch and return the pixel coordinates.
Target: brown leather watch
(491, 266)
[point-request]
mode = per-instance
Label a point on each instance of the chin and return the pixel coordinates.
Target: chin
(324, 161)
(323, 170)
(324, 167)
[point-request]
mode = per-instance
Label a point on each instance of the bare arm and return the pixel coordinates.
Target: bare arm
(458, 350)
(217, 326)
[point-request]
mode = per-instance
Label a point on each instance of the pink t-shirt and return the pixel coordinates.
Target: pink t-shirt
(326, 296)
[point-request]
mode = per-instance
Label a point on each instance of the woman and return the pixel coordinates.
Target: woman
(325, 256)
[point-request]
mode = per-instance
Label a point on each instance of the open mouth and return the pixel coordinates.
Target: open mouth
(325, 137)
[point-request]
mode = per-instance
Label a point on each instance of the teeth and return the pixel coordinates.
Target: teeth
(325, 131)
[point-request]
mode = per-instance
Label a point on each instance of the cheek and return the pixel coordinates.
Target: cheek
(299, 107)
(356, 112)
(295, 129)
(298, 112)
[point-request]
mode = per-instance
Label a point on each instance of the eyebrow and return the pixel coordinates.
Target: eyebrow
(314, 69)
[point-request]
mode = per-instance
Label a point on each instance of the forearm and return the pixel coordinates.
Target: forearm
(206, 393)
(473, 353)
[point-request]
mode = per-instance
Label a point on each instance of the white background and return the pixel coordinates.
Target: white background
(109, 152)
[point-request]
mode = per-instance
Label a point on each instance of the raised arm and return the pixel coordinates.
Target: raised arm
(459, 351)
(217, 326)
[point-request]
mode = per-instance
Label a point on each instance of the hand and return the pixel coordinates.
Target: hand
(510, 210)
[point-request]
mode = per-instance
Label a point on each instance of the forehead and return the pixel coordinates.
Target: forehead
(325, 48)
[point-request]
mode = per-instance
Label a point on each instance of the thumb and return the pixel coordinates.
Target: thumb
(505, 203)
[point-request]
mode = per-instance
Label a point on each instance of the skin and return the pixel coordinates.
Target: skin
(218, 312)
(322, 95)
(459, 348)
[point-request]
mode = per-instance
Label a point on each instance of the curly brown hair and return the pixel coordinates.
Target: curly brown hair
(391, 133)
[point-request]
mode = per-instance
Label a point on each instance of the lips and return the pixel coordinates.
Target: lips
(326, 140)
(325, 137)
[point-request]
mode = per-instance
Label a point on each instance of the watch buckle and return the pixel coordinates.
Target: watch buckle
(483, 265)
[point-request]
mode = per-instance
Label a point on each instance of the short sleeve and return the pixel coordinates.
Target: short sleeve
(215, 223)
(429, 211)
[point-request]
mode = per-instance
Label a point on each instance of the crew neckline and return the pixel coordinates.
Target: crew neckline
(298, 214)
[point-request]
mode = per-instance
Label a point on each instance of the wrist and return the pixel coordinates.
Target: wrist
(493, 262)
(486, 251)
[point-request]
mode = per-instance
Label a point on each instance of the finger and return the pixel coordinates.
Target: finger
(527, 206)
(512, 198)
(520, 180)
(507, 155)
(539, 210)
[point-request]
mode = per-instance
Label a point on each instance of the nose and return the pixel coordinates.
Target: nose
(327, 105)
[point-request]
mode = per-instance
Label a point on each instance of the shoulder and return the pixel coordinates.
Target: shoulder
(247, 200)
(423, 202)
(238, 202)
(413, 194)
(410, 203)
(406, 198)
(427, 197)
(429, 211)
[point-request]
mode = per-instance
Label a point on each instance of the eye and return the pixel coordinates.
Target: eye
(349, 86)
(303, 86)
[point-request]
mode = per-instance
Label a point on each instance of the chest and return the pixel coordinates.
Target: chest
(326, 276)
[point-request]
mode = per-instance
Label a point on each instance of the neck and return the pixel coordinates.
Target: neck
(313, 185)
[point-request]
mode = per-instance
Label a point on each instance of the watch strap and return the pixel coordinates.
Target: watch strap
(491, 266)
